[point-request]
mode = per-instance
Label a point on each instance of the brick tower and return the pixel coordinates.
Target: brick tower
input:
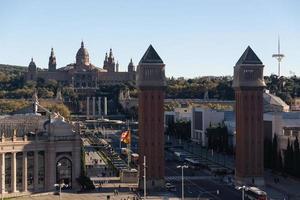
(248, 84)
(151, 83)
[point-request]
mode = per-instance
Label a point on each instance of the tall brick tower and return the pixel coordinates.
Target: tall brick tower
(248, 84)
(151, 83)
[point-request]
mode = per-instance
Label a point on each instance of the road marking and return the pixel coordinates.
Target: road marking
(200, 188)
(178, 178)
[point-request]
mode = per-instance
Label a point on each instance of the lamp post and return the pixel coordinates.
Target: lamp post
(182, 180)
(2, 186)
(243, 188)
(145, 186)
(59, 181)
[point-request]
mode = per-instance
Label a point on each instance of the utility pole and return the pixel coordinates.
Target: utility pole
(129, 145)
(145, 178)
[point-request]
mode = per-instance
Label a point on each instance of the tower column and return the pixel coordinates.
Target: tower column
(36, 171)
(24, 177)
(13, 172)
(248, 84)
(105, 106)
(87, 107)
(99, 107)
(3, 173)
(94, 107)
(151, 85)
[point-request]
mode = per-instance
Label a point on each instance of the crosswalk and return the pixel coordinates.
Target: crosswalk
(178, 178)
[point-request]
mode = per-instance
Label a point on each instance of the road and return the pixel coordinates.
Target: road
(202, 184)
(205, 186)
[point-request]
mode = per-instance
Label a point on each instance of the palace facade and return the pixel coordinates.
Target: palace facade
(82, 74)
(38, 152)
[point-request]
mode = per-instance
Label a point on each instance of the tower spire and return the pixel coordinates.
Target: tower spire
(52, 61)
(110, 53)
(279, 56)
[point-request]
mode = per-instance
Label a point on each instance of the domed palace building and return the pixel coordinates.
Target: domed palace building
(82, 74)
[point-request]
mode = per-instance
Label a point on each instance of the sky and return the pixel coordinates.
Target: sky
(193, 37)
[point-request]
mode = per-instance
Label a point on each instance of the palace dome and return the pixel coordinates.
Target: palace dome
(82, 56)
(32, 65)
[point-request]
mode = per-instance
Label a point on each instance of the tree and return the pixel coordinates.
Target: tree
(267, 153)
(288, 159)
(279, 162)
(296, 158)
(217, 138)
(59, 108)
(274, 155)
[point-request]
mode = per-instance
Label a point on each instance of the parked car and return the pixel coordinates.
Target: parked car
(170, 187)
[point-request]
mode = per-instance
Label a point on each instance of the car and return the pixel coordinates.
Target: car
(170, 187)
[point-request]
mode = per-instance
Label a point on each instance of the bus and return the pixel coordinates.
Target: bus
(254, 193)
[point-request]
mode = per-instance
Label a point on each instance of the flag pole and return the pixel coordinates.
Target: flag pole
(129, 145)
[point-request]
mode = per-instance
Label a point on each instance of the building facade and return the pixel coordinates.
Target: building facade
(249, 84)
(151, 83)
(201, 120)
(38, 152)
(82, 73)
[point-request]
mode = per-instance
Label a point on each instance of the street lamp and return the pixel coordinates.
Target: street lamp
(59, 181)
(182, 179)
(145, 177)
(3, 186)
(243, 188)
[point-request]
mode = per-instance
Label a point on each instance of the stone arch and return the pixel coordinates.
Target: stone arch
(64, 167)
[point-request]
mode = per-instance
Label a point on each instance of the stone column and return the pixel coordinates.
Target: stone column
(36, 171)
(24, 174)
(50, 167)
(105, 106)
(76, 165)
(99, 107)
(3, 173)
(94, 107)
(87, 107)
(13, 172)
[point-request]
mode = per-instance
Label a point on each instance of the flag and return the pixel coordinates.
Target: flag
(125, 137)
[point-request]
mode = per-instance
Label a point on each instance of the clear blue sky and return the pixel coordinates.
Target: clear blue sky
(193, 37)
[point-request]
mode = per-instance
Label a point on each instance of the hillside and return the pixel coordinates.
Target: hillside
(12, 68)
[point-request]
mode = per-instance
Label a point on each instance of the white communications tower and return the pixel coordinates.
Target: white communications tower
(278, 56)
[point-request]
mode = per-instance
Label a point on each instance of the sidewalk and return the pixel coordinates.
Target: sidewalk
(85, 196)
(289, 187)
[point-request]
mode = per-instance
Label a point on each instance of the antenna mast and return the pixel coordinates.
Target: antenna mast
(278, 56)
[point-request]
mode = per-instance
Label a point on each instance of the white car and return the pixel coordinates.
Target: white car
(170, 187)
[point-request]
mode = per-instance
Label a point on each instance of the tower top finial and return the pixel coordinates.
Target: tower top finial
(248, 57)
(52, 52)
(110, 53)
(82, 44)
(151, 56)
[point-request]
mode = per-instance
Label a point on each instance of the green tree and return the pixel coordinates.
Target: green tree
(288, 159)
(274, 155)
(267, 153)
(296, 158)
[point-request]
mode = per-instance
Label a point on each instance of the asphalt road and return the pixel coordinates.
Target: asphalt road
(206, 187)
